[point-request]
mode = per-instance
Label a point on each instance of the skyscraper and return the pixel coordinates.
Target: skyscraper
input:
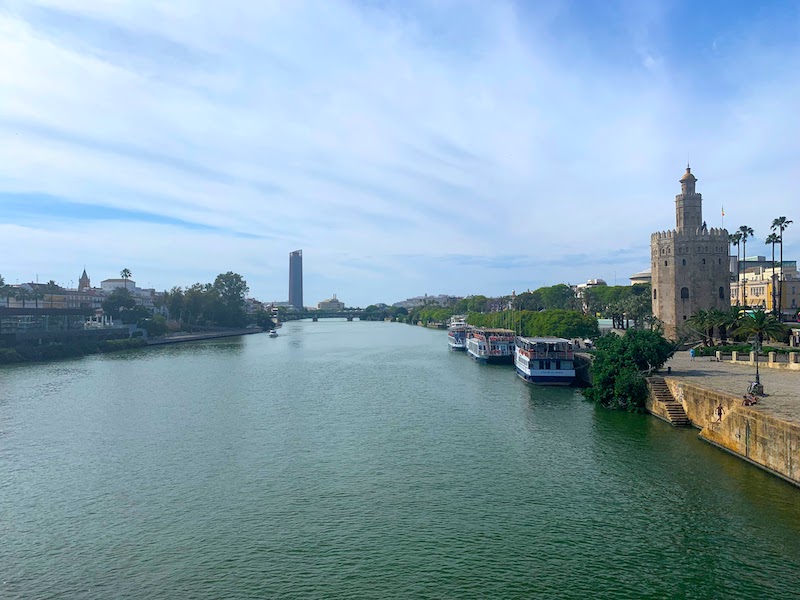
(296, 279)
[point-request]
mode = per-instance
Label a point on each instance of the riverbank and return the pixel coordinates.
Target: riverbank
(766, 434)
(180, 338)
(40, 353)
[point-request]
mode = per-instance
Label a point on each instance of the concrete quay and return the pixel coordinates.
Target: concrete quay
(196, 337)
(766, 434)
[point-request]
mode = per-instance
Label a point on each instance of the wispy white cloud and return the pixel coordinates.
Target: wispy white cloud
(405, 147)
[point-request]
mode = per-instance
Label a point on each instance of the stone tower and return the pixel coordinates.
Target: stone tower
(83, 282)
(689, 263)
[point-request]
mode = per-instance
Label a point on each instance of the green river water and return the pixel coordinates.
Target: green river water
(364, 460)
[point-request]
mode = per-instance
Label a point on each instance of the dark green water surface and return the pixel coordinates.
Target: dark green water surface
(364, 460)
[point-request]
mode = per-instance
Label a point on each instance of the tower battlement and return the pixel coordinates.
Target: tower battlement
(714, 234)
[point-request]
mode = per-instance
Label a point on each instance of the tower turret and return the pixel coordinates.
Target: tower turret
(688, 205)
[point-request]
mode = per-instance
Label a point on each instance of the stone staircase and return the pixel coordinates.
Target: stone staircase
(674, 410)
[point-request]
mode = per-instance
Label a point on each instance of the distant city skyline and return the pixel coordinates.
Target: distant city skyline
(408, 147)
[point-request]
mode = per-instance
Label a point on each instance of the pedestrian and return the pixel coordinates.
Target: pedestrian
(719, 412)
(691, 354)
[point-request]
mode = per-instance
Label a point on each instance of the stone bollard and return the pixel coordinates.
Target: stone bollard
(752, 358)
(734, 356)
(771, 358)
(718, 354)
(793, 358)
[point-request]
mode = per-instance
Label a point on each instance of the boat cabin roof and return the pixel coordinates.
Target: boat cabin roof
(545, 340)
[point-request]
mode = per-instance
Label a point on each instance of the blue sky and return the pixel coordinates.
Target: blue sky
(406, 147)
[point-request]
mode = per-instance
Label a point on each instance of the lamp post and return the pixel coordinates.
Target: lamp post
(756, 387)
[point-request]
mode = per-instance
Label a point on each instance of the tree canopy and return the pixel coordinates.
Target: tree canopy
(621, 364)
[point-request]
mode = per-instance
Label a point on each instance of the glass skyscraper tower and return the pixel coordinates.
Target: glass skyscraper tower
(296, 279)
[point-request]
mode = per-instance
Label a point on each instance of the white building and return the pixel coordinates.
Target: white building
(332, 304)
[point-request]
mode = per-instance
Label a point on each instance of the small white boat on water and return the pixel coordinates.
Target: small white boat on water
(273, 333)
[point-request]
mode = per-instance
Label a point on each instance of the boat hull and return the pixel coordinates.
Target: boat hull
(506, 359)
(563, 378)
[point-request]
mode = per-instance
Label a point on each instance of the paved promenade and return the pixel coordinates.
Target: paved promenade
(782, 387)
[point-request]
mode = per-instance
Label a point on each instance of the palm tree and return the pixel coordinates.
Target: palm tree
(781, 223)
(5, 290)
(728, 321)
(125, 274)
(773, 239)
(761, 325)
(746, 232)
(735, 238)
(701, 323)
(37, 295)
(23, 295)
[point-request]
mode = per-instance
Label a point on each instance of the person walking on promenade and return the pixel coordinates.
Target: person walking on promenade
(719, 412)
(691, 354)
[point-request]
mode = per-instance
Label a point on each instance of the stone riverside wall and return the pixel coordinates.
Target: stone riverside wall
(583, 368)
(763, 439)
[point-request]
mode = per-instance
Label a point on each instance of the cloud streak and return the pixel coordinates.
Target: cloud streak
(406, 147)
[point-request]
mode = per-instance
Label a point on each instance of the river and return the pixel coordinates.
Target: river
(364, 460)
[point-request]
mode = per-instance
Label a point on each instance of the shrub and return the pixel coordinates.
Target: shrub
(621, 364)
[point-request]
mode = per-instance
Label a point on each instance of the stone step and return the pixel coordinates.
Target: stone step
(661, 393)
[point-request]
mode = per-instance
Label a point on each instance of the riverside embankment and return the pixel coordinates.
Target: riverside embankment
(767, 434)
(196, 337)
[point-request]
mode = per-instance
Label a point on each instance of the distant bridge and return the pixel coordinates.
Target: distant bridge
(316, 315)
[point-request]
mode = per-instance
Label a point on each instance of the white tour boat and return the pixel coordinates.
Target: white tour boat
(545, 360)
(457, 333)
(491, 346)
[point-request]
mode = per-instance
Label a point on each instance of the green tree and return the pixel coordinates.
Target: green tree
(735, 239)
(780, 224)
(125, 274)
(231, 290)
(6, 291)
(746, 233)
(773, 239)
(155, 326)
(702, 323)
(117, 301)
(23, 295)
(621, 365)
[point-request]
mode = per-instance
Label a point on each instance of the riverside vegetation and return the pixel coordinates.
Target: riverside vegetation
(218, 304)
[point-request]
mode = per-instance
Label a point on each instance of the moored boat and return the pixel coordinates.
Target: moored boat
(491, 346)
(457, 333)
(545, 360)
(273, 333)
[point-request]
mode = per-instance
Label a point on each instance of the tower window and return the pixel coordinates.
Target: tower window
(704, 261)
(719, 261)
(665, 263)
(655, 294)
(684, 293)
(722, 293)
(683, 262)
